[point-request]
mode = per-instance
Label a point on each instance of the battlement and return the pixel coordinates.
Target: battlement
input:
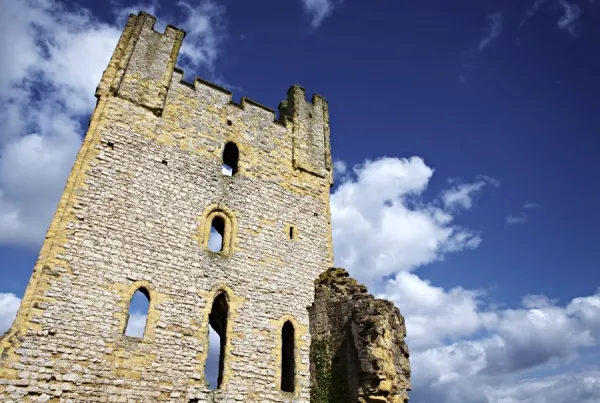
(143, 71)
(281, 116)
(200, 84)
(141, 214)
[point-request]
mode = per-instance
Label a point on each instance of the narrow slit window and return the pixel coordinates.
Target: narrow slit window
(217, 231)
(293, 232)
(231, 155)
(217, 335)
(138, 313)
(288, 364)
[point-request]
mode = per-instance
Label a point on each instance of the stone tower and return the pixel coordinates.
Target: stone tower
(136, 214)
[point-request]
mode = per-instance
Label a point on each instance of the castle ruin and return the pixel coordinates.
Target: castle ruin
(146, 189)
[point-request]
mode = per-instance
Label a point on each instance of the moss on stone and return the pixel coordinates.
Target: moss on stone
(329, 385)
(320, 359)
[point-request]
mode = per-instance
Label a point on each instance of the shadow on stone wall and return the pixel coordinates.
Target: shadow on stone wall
(357, 352)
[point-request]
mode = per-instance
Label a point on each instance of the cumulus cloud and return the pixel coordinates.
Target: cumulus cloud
(47, 87)
(463, 348)
(493, 31)
(318, 10)
(381, 224)
(9, 304)
(512, 344)
(434, 314)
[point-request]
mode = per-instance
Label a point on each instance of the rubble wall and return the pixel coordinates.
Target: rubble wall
(357, 352)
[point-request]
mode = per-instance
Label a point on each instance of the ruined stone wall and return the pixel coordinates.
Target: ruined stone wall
(136, 212)
(358, 352)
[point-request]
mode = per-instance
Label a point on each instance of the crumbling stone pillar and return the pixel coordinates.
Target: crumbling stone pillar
(357, 352)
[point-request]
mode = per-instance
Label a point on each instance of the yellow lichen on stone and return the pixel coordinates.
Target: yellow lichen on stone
(205, 221)
(137, 211)
(300, 332)
(234, 303)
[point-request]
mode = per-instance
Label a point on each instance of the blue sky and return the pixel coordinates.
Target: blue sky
(464, 134)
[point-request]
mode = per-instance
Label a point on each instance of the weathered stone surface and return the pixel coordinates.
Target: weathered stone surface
(358, 352)
(136, 214)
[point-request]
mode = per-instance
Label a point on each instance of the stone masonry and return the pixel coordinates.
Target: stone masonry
(136, 214)
(358, 352)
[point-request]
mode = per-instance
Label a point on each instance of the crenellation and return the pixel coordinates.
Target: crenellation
(221, 96)
(136, 213)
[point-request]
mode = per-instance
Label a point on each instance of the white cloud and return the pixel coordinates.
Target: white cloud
(521, 217)
(136, 325)
(215, 240)
(382, 226)
(9, 304)
(205, 29)
(493, 30)
(571, 13)
(579, 387)
(462, 194)
(463, 349)
(531, 11)
(516, 219)
(435, 314)
(50, 69)
(211, 368)
(340, 167)
(318, 10)
(567, 21)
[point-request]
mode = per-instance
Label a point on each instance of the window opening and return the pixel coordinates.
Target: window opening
(164, 162)
(231, 155)
(288, 364)
(292, 232)
(111, 145)
(229, 122)
(138, 313)
(217, 336)
(217, 231)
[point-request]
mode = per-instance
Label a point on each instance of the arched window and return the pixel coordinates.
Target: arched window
(217, 334)
(138, 313)
(218, 227)
(217, 231)
(288, 362)
(231, 155)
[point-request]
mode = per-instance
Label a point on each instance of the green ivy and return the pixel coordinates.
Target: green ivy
(329, 386)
